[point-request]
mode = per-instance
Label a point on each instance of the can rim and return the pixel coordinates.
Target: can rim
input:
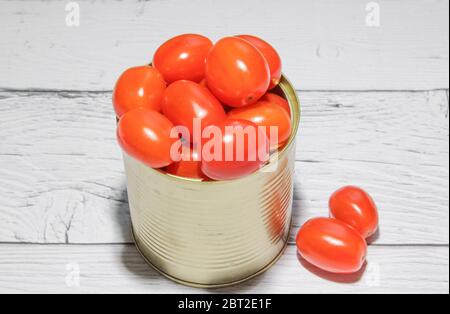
(294, 103)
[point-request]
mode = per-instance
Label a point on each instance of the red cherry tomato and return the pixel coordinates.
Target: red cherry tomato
(229, 154)
(183, 58)
(356, 208)
(189, 166)
(204, 83)
(145, 135)
(271, 55)
(268, 115)
(185, 100)
(138, 87)
(237, 73)
(332, 245)
(280, 101)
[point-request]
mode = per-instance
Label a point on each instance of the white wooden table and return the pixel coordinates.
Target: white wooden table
(375, 113)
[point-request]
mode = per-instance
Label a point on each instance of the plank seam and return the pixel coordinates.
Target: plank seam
(392, 245)
(57, 91)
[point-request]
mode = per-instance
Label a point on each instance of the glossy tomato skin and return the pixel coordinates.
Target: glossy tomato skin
(146, 135)
(271, 55)
(183, 58)
(204, 83)
(236, 72)
(189, 165)
(243, 160)
(276, 99)
(355, 207)
(184, 101)
(138, 87)
(332, 245)
(266, 114)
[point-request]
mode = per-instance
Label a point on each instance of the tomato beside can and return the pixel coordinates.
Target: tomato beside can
(355, 207)
(332, 245)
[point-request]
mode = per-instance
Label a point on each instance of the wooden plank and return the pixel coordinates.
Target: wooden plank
(120, 269)
(393, 144)
(325, 44)
(62, 179)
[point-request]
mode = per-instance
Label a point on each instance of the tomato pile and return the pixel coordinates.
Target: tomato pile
(338, 244)
(203, 110)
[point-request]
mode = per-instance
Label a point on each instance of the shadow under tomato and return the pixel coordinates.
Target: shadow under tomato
(372, 239)
(338, 278)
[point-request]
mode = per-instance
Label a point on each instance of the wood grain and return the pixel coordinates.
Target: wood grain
(62, 179)
(120, 269)
(325, 44)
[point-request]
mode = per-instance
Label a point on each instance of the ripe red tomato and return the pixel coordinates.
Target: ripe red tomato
(145, 135)
(204, 83)
(184, 101)
(189, 166)
(234, 149)
(356, 208)
(268, 115)
(138, 87)
(183, 58)
(271, 55)
(280, 101)
(237, 73)
(332, 245)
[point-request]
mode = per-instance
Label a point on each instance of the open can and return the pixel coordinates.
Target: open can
(215, 234)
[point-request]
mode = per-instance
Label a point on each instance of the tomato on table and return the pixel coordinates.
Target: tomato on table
(271, 55)
(276, 99)
(233, 149)
(189, 165)
(183, 58)
(332, 245)
(146, 135)
(138, 87)
(236, 72)
(267, 114)
(185, 101)
(355, 207)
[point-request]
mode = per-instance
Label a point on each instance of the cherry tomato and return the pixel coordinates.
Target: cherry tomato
(183, 58)
(280, 101)
(356, 208)
(229, 154)
(145, 135)
(268, 115)
(189, 165)
(185, 101)
(271, 55)
(204, 83)
(237, 73)
(137, 87)
(332, 245)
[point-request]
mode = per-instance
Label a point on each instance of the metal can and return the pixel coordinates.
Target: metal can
(214, 234)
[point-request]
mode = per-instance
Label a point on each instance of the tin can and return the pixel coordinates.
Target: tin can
(214, 234)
